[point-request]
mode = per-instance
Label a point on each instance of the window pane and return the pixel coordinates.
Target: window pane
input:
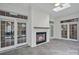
(51, 30)
(64, 31)
(21, 33)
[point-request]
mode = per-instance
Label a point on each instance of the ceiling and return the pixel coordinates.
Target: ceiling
(49, 6)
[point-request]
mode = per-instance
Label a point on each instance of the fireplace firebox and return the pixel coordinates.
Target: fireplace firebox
(40, 37)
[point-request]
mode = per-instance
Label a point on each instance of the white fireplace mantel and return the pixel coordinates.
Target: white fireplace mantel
(41, 27)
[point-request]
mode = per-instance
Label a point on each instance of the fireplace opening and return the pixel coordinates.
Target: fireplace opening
(40, 37)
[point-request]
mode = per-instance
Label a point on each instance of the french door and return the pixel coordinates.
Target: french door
(6, 33)
(12, 33)
(73, 31)
(69, 31)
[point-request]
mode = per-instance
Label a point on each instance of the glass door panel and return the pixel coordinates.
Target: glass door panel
(64, 31)
(7, 33)
(73, 31)
(21, 33)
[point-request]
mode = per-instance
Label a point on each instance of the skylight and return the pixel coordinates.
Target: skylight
(61, 7)
(57, 4)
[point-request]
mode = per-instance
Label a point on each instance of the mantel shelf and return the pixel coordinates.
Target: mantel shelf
(41, 27)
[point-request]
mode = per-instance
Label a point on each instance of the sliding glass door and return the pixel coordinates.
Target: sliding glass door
(7, 33)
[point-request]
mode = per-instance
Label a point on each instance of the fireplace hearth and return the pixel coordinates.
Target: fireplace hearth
(40, 37)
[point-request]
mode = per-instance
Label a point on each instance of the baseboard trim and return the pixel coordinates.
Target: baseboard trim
(64, 39)
(13, 48)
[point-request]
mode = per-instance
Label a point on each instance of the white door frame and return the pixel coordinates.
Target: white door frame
(15, 20)
(68, 36)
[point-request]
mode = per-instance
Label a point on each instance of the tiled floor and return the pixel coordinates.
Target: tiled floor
(54, 47)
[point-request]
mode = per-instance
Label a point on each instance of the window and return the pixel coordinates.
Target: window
(70, 20)
(12, 14)
(51, 30)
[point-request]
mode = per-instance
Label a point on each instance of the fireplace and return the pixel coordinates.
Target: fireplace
(40, 37)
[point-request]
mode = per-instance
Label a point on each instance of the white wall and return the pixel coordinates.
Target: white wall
(14, 7)
(39, 18)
